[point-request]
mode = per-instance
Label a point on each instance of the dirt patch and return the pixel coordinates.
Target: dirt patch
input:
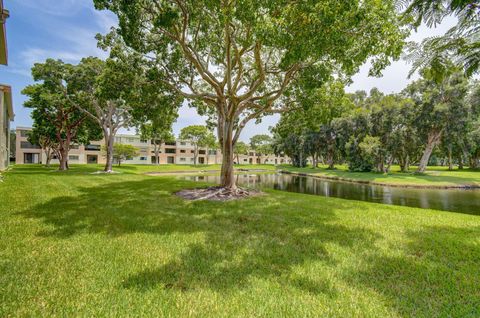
(217, 194)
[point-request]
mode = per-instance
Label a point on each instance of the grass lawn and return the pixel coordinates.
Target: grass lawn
(169, 168)
(433, 177)
(79, 244)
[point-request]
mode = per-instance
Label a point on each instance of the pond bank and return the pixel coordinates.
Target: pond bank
(394, 181)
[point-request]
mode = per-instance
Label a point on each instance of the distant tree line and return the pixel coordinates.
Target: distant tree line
(432, 121)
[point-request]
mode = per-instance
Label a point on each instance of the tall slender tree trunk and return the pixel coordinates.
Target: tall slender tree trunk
(48, 155)
(156, 150)
(109, 140)
(227, 177)
(450, 159)
(432, 141)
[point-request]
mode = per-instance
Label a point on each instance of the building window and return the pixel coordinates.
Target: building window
(129, 158)
(182, 150)
(171, 143)
(92, 147)
(24, 133)
(143, 141)
(183, 143)
(202, 152)
(73, 146)
(143, 158)
(28, 145)
(245, 160)
(191, 151)
(73, 157)
(251, 154)
(212, 152)
(169, 150)
(191, 159)
(183, 159)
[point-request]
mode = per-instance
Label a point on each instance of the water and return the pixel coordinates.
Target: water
(455, 200)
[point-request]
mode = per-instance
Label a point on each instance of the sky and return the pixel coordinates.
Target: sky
(65, 29)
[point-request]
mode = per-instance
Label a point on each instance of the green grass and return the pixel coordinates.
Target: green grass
(171, 168)
(433, 177)
(77, 244)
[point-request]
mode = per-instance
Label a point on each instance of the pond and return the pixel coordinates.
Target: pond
(455, 200)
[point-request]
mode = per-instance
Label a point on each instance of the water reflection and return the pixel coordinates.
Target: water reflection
(465, 201)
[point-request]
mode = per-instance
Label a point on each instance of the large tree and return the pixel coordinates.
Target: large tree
(100, 90)
(197, 135)
(158, 132)
(262, 145)
(440, 105)
(237, 58)
(52, 106)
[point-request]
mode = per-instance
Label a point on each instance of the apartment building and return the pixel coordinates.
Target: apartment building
(4, 14)
(6, 107)
(177, 152)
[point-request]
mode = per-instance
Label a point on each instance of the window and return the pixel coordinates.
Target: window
(212, 152)
(182, 150)
(72, 157)
(24, 133)
(245, 159)
(171, 143)
(28, 145)
(73, 146)
(183, 159)
(183, 143)
(143, 141)
(130, 139)
(129, 158)
(169, 150)
(92, 147)
(143, 158)
(202, 152)
(251, 154)
(191, 159)
(191, 151)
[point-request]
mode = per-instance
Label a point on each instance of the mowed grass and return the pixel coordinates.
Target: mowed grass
(166, 168)
(433, 177)
(79, 244)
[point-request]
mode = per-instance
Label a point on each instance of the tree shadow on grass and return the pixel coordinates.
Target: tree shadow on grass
(437, 272)
(264, 237)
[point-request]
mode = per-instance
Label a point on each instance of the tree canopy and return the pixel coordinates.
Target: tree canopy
(240, 60)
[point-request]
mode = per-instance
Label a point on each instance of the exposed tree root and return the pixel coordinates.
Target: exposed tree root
(217, 194)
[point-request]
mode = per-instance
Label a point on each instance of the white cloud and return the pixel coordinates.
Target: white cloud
(64, 8)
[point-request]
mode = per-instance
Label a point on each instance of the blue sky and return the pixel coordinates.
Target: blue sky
(65, 29)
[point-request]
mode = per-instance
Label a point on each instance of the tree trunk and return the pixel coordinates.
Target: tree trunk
(63, 160)
(460, 163)
(109, 140)
(156, 149)
(432, 140)
(389, 164)
(450, 160)
(227, 177)
(48, 154)
(330, 156)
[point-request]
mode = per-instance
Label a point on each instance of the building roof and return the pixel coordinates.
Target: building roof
(4, 14)
(7, 93)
